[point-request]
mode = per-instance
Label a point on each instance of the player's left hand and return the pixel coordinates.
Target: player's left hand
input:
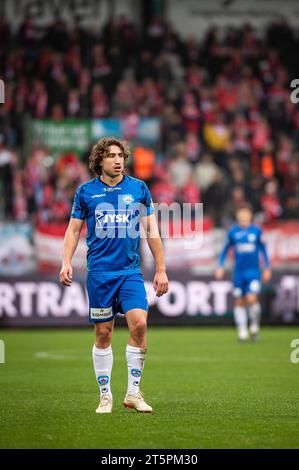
(160, 283)
(267, 274)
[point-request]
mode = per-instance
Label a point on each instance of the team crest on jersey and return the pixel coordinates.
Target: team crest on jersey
(128, 198)
(251, 237)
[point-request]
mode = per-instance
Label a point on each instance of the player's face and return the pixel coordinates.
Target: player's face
(113, 162)
(244, 217)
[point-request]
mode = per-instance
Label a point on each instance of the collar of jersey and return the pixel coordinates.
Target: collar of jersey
(244, 229)
(108, 185)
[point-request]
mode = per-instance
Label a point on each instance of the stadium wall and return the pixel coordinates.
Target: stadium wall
(40, 301)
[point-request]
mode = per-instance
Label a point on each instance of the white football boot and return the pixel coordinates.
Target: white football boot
(243, 334)
(105, 405)
(254, 332)
(137, 402)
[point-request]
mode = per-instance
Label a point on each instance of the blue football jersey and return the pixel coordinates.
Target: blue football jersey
(247, 247)
(112, 214)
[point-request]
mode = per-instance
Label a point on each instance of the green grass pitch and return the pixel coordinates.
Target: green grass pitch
(207, 391)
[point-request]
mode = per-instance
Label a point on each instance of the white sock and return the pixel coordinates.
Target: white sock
(135, 361)
(254, 312)
(241, 321)
(102, 362)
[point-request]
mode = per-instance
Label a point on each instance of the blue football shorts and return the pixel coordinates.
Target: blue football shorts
(113, 293)
(246, 282)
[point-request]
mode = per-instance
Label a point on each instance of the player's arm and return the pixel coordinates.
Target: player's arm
(219, 271)
(155, 244)
(267, 272)
(71, 239)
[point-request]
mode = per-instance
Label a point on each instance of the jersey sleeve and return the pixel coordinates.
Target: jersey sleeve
(225, 249)
(147, 202)
(79, 207)
(263, 250)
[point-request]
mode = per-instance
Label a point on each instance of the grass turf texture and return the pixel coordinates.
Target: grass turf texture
(207, 391)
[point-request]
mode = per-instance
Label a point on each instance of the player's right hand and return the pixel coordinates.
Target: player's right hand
(66, 275)
(219, 273)
(267, 274)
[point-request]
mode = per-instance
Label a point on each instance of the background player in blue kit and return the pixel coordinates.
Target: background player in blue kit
(113, 204)
(245, 240)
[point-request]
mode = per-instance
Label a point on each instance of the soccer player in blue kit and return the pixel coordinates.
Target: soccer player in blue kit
(113, 205)
(245, 240)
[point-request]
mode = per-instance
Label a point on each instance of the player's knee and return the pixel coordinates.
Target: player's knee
(240, 302)
(251, 299)
(103, 336)
(138, 330)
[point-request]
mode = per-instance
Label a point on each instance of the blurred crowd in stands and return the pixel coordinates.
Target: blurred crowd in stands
(229, 129)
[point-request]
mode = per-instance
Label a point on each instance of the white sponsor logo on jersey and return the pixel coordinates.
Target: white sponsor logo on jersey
(116, 218)
(245, 247)
(109, 190)
(112, 219)
(240, 234)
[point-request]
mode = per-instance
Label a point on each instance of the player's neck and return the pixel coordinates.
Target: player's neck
(111, 181)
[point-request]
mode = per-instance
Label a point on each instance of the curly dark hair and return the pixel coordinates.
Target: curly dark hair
(101, 149)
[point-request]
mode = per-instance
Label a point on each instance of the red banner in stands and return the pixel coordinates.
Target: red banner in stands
(282, 240)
